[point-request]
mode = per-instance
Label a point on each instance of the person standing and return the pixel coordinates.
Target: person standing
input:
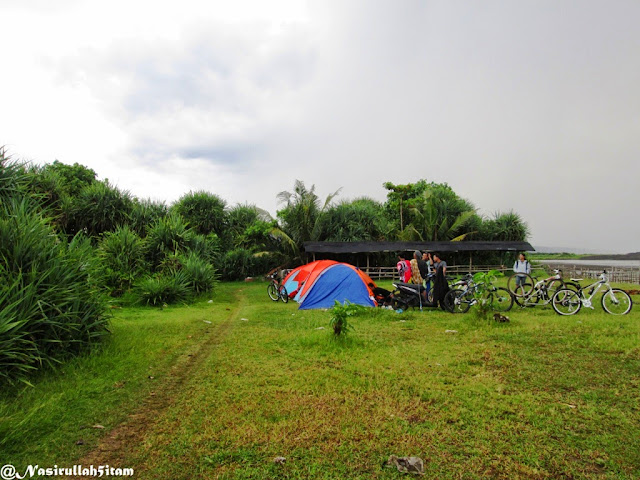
(427, 262)
(404, 269)
(416, 276)
(522, 268)
(440, 285)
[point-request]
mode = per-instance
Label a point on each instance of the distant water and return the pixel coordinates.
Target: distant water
(595, 263)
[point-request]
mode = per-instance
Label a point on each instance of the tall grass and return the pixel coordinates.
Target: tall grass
(164, 288)
(13, 178)
(168, 235)
(200, 274)
(50, 308)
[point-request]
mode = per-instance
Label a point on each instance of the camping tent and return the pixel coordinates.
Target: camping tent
(319, 284)
(298, 277)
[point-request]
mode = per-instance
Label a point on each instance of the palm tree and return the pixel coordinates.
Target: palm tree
(358, 220)
(301, 214)
(507, 227)
(439, 214)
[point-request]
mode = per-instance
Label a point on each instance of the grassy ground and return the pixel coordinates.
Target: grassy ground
(543, 396)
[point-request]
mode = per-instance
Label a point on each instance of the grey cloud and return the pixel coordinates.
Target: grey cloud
(517, 105)
(208, 97)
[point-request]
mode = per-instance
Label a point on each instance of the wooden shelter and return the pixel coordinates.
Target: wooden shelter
(335, 249)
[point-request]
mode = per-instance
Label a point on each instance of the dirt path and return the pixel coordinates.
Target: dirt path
(116, 445)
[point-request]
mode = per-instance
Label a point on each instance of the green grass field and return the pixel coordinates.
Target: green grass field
(218, 390)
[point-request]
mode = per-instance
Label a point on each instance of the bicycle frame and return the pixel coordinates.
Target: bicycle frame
(593, 289)
(469, 292)
(539, 291)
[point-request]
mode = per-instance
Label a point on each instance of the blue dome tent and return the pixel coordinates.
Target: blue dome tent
(341, 282)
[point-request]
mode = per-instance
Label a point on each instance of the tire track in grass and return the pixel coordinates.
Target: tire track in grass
(116, 446)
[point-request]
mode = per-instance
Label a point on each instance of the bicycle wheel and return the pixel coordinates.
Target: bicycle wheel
(501, 300)
(566, 302)
(272, 290)
(284, 295)
(529, 300)
(457, 301)
(616, 302)
(572, 285)
(520, 290)
(550, 289)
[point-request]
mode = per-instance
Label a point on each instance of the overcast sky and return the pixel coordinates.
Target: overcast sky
(526, 105)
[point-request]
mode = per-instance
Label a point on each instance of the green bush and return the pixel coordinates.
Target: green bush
(205, 211)
(13, 178)
(485, 280)
(144, 214)
(200, 274)
(237, 264)
(50, 306)
(121, 255)
(339, 317)
(241, 263)
(206, 246)
(168, 235)
(98, 208)
(163, 289)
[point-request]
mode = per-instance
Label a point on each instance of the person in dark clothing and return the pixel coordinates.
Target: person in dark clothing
(422, 264)
(440, 285)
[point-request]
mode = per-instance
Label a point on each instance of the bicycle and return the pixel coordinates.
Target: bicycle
(467, 292)
(614, 300)
(276, 290)
(529, 294)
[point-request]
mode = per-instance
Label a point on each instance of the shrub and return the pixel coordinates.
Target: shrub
(339, 317)
(483, 306)
(164, 289)
(168, 235)
(237, 264)
(50, 307)
(206, 246)
(121, 255)
(205, 211)
(144, 214)
(13, 178)
(200, 274)
(98, 208)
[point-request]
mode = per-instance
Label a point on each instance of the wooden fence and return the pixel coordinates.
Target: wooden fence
(377, 273)
(615, 274)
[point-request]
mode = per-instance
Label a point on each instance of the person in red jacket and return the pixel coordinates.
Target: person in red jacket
(404, 269)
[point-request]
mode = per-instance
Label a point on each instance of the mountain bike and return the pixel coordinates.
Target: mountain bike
(467, 292)
(276, 290)
(529, 294)
(614, 300)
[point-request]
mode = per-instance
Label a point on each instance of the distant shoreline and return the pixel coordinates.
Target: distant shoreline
(570, 256)
(591, 263)
(626, 256)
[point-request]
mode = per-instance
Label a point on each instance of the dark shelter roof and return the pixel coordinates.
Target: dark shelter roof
(374, 247)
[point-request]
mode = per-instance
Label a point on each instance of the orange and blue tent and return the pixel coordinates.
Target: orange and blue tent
(320, 284)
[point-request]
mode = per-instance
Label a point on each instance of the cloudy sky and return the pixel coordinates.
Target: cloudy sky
(528, 105)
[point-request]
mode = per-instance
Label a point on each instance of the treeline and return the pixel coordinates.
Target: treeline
(71, 243)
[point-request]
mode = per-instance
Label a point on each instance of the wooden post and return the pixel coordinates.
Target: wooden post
(367, 263)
